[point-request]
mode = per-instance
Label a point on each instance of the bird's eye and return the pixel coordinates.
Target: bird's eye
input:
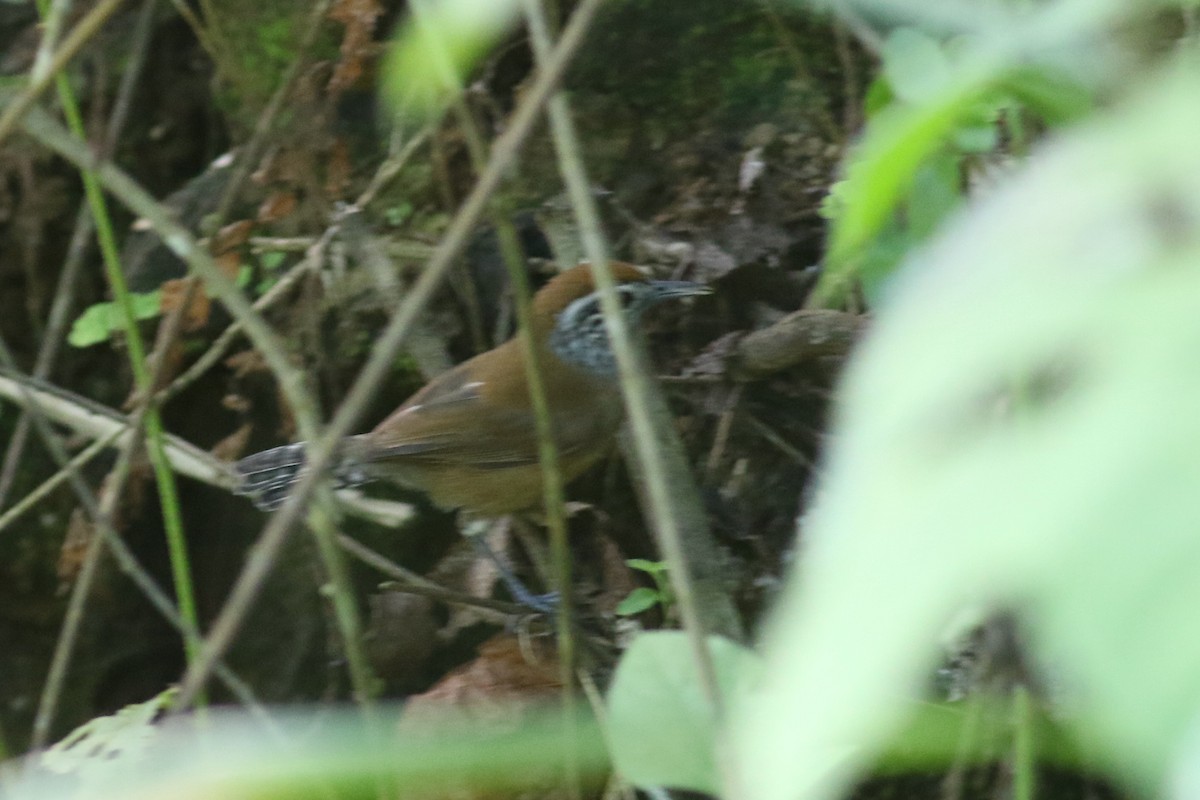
(628, 296)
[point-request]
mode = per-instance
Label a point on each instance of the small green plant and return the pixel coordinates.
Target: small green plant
(98, 322)
(645, 597)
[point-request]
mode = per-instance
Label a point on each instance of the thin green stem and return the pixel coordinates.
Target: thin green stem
(553, 493)
(1024, 745)
(81, 236)
(60, 477)
(143, 380)
(321, 453)
(637, 390)
(23, 103)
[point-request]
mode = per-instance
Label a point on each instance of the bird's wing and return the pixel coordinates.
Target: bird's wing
(443, 423)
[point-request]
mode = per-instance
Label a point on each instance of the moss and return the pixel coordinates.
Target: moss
(255, 44)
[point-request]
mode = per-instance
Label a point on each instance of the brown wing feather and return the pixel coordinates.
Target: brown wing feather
(442, 423)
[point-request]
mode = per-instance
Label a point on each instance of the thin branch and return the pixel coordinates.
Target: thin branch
(321, 453)
(51, 25)
(553, 494)
(61, 476)
(96, 421)
(291, 381)
(16, 110)
(68, 281)
(702, 604)
(144, 370)
(405, 580)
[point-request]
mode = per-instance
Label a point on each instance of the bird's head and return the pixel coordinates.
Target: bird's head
(570, 305)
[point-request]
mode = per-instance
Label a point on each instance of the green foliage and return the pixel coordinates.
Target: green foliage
(436, 48)
(1020, 430)
(98, 323)
(644, 597)
(104, 747)
(934, 105)
(661, 727)
(330, 754)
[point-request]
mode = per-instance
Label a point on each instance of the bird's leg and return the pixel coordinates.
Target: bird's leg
(476, 532)
(526, 529)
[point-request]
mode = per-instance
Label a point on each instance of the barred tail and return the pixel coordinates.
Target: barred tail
(267, 477)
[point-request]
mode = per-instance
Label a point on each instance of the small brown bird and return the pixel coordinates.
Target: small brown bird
(468, 438)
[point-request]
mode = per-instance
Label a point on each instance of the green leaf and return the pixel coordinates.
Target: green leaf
(661, 727)
(637, 601)
(99, 322)
(272, 260)
(436, 49)
(882, 169)
(646, 565)
(104, 746)
(1055, 98)
(1020, 429)
(914, 65)
(328, 753)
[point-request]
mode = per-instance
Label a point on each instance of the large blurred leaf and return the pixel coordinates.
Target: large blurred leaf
(661, 727)
(1022, 427)
(492, 752)
(438, 45)
(946, 91)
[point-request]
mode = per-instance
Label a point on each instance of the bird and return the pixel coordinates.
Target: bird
(468, 439)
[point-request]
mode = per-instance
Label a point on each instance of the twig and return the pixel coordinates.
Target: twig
(96, 421)
(51, 24)
(100, 422)
(64, 296)
(291, 381)
(223, 342)
(552, 482)
(800, 336)
(144, 370)
(721, 436)
(57, 479)
(249, 582)
(248, 152)
(391, 167)
(408, 581)
(704, 604)
(101, 515)
(77, 38)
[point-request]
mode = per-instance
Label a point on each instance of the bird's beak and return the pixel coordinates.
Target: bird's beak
(669, 290)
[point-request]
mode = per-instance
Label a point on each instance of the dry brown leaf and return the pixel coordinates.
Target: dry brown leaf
(504, 680)
(231, 236)
(247, 362)
(70, 556)
(178, 291)
(276, 206)
(359, 17)
(233, 445)
(337, 169)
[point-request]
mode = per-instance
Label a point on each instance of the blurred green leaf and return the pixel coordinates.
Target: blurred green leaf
(99, 322)
(881, 170)
(332, 753)
(1021, 429)
(104, 746)
(661, 730)
(437, 47)
(1054, 97)
(915, 66)
(647, 566)
(637, 601)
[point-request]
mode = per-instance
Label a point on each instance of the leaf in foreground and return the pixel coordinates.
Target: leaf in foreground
(1020, 429)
